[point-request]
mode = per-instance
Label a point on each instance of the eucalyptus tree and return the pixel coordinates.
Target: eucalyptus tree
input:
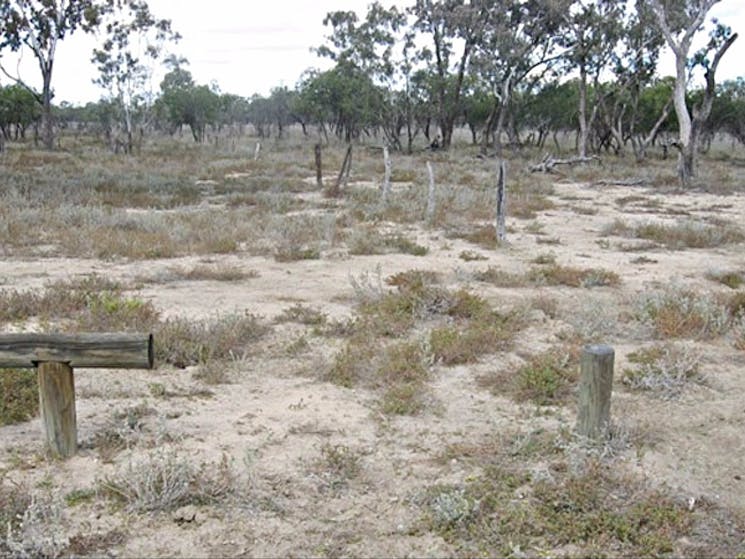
(183, 102)
(728, 111)
(635, 67)
(551, 110)
(234, 111)
(680, 21)
(39, 25)
(591, 35)
(453, 28)
(382, 46)
(18, 111)
(517, 39)
(134, 41)
(343, 98)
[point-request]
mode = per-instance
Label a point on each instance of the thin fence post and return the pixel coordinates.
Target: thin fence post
(501, 202)
(257, 151)
(343, 178)
(319, 168)
(596, 385)
(387, 175)
(430, 217)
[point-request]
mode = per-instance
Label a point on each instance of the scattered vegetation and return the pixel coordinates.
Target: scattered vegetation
(551, 274)
(20, 395)
(182, 342)
(337, 465)
(555, 274)
(203, 272)
(509, 509)
(679, 235)
(676, 312)
(470, 256)
(733, 280)
(545, 379)
(164, 480)
(302, 315)
(663, 369)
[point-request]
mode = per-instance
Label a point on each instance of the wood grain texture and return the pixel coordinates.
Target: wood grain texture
(57, 404)
(114, 351)
(596, 385)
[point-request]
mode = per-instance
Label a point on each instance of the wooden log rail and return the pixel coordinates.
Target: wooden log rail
(54, 356)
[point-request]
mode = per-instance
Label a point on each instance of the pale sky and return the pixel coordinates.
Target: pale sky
(248, 46)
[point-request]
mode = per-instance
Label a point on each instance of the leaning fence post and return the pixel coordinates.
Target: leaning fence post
(596, 384)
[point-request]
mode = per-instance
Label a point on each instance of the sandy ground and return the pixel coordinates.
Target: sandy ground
(275, 417)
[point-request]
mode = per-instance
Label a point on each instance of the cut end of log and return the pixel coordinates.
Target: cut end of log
(599, 350)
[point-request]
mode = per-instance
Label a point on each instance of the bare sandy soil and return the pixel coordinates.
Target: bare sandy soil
(275, 418)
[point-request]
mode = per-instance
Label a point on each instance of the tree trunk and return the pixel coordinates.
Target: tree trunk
(47, 123)
(583, 132)
(686, 163)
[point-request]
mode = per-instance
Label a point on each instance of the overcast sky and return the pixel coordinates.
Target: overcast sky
(249, 47)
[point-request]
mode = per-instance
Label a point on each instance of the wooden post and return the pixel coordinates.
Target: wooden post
(501, 203)
(343, 177)
(319, 169)
(596, 385)
(387, 175)
(57, 405)
(430, 217)
(257, 151)
(54, 356)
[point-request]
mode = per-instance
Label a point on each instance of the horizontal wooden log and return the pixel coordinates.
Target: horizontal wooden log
(110, 351)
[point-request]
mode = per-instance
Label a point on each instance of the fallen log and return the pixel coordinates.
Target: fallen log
(621, 182)
(549, 162)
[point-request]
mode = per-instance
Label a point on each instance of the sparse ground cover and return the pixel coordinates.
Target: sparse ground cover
(339, 377)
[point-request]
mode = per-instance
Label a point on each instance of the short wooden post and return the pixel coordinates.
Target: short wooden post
(596, 385)
(430, 217)
(319, 169)
(57, 405)
(54, 356)
(257, 151)
(501, 203)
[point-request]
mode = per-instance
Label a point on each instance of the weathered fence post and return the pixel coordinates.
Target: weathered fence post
(319, 169)
(501, 203)
(257, 151)
(57, 406)
(386, 175)
(343, 177)
(54, 356)
(430, 217)
(596, 385)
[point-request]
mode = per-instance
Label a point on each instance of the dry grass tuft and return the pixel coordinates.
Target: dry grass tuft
(663, 369)
(183, 342)
(680, 235)
(164, 480)
(682, 313)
